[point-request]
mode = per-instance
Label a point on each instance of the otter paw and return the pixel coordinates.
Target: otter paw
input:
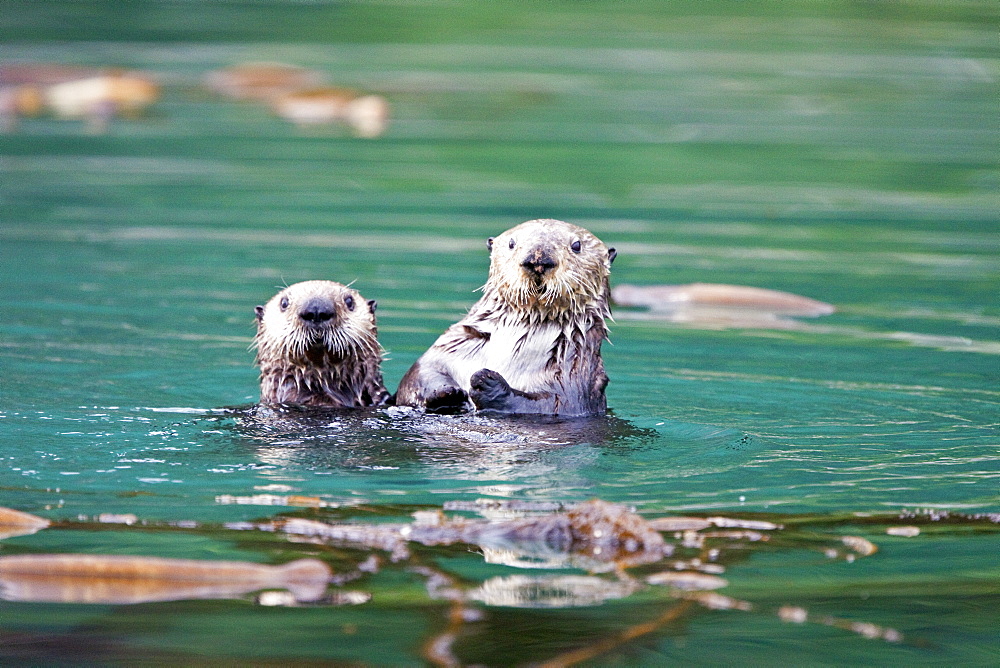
(489, 389)
(446, 400)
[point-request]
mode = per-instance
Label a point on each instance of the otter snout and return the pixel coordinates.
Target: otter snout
(539, 261)
(317, 311)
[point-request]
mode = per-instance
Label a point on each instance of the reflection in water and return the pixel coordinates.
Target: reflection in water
(472, 446)
(673, 564)
(554, 591)
(596, 536)
(415, 425)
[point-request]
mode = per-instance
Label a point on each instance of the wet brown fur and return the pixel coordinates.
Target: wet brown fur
(532, 343)
(317, 345)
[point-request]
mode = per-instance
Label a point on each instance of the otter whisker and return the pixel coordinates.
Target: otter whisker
(538, 326)
(332, 363)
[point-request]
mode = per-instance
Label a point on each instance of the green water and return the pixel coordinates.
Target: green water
(843, 151)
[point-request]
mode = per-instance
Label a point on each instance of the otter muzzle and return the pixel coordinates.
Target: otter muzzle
(317, 312)
(539, 262)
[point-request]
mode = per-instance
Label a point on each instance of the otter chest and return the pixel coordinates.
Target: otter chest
(521, 355)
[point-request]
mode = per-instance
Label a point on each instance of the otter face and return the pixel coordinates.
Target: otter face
(312, 319)
(549, 265)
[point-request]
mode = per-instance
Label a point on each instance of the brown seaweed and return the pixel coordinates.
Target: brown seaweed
(84, 578)
(671, 297)
(595, 535)
(678, 561)
(17, 523)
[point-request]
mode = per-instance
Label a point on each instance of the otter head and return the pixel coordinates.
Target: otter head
(314, 322)
(550, 267)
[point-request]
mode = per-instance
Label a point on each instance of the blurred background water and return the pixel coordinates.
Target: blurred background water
(843, 151)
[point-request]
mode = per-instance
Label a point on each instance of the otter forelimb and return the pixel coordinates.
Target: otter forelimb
(491, 391)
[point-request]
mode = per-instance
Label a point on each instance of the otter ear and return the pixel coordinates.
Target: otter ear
(259, 311)
(489, 244)
(372, 304)
(612, 254)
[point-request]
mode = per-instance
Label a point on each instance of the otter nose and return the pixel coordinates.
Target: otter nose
(317, 311)
(539, 262)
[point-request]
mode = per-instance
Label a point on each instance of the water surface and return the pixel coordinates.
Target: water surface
(851, 158)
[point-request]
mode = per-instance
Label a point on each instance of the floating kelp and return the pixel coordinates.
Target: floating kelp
(261, 82)
(671, 297)
(679, 523)
(94, 94)
(83, 578)
(301, 96)
(719, 306)
(797, 615)
(595, 535)
(669, 565)
(366, 115)
(112, 93)
(292, 500)
(553, 591)
(15, 523)
(690, 553)
(287, 599)
(686, 581)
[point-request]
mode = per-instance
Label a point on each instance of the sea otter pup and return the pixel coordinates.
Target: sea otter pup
(532, 344)
(317, 346)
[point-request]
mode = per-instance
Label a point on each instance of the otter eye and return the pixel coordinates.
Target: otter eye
(349, 302)
(512, 244)
(283, 303)
(575, 246)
